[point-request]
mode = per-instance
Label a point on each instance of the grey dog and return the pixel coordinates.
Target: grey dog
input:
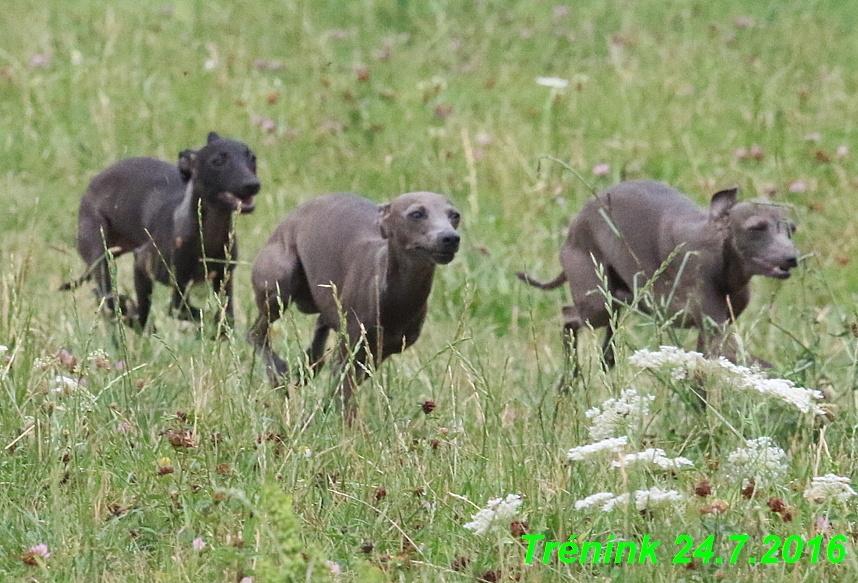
(632, 228)
(177, 220)
(343, 254)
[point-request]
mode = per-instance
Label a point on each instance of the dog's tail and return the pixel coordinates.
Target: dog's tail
(76, 283)
(553, 284)
(87, 275)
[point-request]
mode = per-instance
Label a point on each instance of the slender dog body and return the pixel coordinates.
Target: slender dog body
(632, 228)
(377, 263)
(172, 218)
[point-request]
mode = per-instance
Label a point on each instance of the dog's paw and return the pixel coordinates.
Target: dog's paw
(187, 313)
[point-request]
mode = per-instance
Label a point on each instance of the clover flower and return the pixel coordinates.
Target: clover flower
(612, 444)
(100, 360)
(653, 456)
(829, 487)
(760, 460)
(498, 512)
(36, 554)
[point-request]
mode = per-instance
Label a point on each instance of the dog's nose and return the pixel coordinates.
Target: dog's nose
(251, 188)
(791, 262)
(450, 241)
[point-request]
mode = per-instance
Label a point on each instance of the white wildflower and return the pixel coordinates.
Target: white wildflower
(612, 444)
(761, 461)
(64, 385)
(628, 410)
(44, 363)
(656, 496)
(644, 499)
(553, 82)
(621, 500)
(498, 512)
(829, 487)
(801, 398)
(653, 456)
(599, 499)
(3, 349)
(682, 364)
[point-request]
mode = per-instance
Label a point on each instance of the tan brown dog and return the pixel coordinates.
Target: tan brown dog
(632, 228)
(376, 262)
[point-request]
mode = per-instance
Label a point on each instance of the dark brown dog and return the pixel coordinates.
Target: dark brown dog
(343, 254)
(176, 220)
(632, 228)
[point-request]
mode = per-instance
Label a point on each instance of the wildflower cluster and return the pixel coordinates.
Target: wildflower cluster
(681, 364)
(644, 499)
(626, 412)
(760, 461)
(611, 444)
(829, 487)
(499, 512)
(654, 457)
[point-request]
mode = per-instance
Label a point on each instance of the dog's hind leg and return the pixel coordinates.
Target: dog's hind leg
(142, 285)
(276, 277)
(93, 242)
(316, 352)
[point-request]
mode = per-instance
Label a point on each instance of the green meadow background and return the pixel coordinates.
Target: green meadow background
(383, 97)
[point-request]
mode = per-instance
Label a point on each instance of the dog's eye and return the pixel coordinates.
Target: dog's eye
(219, 160)
(454, 216)
(417, 214)
(759, 226)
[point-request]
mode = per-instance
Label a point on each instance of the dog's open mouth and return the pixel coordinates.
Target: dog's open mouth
(772, 270)
(239, 204)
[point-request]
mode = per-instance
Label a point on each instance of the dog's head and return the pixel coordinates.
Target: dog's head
(422, 224)
(223, 172)
(760, 234)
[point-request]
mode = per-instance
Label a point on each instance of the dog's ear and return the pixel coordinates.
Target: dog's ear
(383, 217)
(213, 137)
(187, 162)
(722, 202)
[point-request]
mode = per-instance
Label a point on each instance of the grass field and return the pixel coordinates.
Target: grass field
(171, 459)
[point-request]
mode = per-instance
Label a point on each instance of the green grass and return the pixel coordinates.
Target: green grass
(662, 89)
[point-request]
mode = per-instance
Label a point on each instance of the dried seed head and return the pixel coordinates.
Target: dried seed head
(776, 505)
(518, 528)
(703, 489)
(716, 507)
